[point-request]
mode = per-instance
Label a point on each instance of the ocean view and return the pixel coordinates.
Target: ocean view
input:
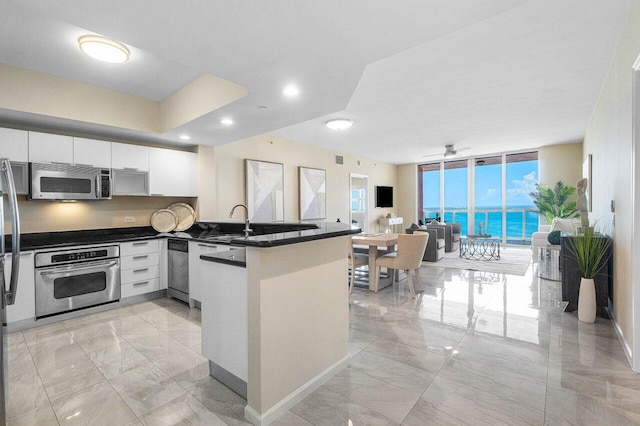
(492, 221)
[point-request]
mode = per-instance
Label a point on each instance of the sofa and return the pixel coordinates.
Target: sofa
(452, 233)
(435, 244)
(539, 239)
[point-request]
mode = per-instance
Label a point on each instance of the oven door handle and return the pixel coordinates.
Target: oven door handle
(71, 268)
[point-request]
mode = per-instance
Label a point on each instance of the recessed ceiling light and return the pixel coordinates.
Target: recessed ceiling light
(339, 124)
(226, 121)
(185, 137)
(104, 49)
(291, 91)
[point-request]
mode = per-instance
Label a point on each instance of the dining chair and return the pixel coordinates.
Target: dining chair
(356, 260)
(408, 257)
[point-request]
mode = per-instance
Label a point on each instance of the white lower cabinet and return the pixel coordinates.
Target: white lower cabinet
(139, 267)
(25, 301)
(224, 317)
(195, 251)
(196, 279)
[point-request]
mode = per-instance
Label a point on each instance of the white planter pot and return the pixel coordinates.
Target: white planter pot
(587, 300)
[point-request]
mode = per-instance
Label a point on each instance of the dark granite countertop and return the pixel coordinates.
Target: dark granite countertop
(230, 257)
(45, 240)
(271, 234)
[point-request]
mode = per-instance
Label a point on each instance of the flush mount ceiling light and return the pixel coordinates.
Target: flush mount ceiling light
(104, 49)
(185, 137)
(291, 91)
(339, 124)
(226, 121)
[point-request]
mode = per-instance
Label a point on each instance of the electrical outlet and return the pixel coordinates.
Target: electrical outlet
(129, 219)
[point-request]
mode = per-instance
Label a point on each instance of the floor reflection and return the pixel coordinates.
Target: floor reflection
(476, 347)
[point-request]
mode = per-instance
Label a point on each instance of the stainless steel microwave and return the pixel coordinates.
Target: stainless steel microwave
(66, 182)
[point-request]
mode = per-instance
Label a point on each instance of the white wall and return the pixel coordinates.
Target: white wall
(560, 162)
(609, 139)
(228, 166)
(408, 193)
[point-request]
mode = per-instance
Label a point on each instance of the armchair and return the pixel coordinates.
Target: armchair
(452, 233)
(435, 243)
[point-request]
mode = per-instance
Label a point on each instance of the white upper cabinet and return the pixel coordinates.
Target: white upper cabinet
(91, 152)
(48, 148)
(172, 173)
(14, 144)
(193, 174)
(131, 157)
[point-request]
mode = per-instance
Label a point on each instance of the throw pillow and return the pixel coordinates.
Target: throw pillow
(567, 225)
(554, 238)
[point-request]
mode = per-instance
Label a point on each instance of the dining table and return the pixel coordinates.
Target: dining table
(387, 242)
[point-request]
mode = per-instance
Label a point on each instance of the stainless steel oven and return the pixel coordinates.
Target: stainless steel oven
(76, 278)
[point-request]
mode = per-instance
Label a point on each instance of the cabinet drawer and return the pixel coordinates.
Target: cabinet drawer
(138, 247)
(139, 261)
(139, 287)
(139, 274)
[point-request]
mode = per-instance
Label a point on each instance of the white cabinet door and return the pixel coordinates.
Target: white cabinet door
(91, 152)
(193, 174)
(172, 173)
(224, 317)
(132, 157)
(14, 144)
(48, 148)
(25, 302)
(163, 178)
(197, 249)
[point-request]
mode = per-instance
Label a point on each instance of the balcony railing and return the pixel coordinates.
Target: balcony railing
(520, 223)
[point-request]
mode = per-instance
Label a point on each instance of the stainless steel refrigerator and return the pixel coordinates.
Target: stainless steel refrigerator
(8, 204)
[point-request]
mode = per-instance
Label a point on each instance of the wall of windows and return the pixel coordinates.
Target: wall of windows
(484, 194)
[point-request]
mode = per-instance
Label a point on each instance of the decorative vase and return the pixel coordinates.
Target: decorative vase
(587, 300)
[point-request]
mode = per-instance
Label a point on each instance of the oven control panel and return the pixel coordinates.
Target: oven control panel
(75, 255)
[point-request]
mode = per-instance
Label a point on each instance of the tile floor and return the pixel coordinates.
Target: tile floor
(473, 348)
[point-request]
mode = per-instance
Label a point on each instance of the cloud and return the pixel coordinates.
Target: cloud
(490, 192)
(523, 187)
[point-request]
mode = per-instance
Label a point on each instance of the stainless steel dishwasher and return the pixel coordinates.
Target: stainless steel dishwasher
(178, 254)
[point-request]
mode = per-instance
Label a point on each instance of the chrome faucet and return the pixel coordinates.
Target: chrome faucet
(247, 229)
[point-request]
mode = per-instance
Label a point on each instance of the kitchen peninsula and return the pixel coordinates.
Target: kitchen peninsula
(281, 295)
(288, 295)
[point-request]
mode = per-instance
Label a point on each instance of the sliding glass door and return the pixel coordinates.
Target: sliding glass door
(456, 200)
(522, 217)
(487, 218)
(429, 191)
(491, 191)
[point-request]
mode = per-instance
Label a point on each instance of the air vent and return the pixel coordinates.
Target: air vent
(339, 160)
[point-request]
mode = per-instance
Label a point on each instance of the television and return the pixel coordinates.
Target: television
(384, 196)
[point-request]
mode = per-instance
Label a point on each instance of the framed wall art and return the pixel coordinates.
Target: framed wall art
(265, 191)
(313, 193)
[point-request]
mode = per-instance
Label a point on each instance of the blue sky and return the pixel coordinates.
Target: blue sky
(521, 179)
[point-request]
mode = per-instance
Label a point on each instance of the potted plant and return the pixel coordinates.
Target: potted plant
(591, 252)
(554, 202)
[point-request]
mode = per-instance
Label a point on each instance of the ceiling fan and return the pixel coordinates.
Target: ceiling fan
(449, 151)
